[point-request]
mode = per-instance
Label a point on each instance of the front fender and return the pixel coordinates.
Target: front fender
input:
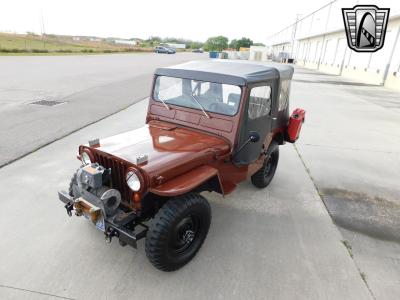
(187, 182)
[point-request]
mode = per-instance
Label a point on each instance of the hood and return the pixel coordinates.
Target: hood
(167, 146)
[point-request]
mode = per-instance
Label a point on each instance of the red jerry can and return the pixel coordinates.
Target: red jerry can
(295, 122)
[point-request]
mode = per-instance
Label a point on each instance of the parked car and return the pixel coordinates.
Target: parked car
(173, 50)
(197, 51)
(210, 125)
(166, 50)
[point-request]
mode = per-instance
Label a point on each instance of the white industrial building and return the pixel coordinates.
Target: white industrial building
(174, 45)
(318, 41)
(126, 42)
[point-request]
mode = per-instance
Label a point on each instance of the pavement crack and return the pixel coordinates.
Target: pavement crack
(363, 276)
(346, 245)
(32, 291)
(320, 194)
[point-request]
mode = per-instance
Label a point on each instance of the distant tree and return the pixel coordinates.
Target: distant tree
(175, 40)
(233, 44)
(259, 44)
(243, 42)
(196, 45)
(216, 43)
(154, 39)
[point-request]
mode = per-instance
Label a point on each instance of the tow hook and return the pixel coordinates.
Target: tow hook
(109, 234)
(67, 200)
(69, 207)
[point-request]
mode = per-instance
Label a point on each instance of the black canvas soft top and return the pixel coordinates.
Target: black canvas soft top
(235, 72)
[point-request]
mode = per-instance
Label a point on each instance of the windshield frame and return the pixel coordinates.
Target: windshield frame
(197, 109)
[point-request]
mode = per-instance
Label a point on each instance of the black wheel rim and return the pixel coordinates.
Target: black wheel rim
(269, 165)
(184, 234)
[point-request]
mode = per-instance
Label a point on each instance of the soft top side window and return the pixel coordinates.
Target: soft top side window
(259, 102)
(284, 94)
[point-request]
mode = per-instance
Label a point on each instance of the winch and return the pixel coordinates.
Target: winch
(93, 183)
(91, 195)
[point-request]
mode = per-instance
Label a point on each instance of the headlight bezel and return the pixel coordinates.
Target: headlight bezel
(89, 155)
(139, 180)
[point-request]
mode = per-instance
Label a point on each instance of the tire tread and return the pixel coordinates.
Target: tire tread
(159, 228)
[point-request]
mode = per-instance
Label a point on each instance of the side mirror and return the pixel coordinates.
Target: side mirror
(254, 137)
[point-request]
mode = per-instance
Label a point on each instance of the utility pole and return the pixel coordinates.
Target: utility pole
(43, 31)
(294, 34)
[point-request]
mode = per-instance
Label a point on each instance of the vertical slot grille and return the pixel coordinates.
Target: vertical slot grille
(118, 170)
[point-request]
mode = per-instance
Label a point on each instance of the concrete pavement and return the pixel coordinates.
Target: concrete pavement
(277, 243)
(92, 87)
(351, 146)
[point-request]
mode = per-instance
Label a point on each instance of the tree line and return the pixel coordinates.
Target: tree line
(155, 41)
(220, 43)
(215, 43)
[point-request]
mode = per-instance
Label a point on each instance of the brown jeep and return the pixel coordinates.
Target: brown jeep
(210, 125)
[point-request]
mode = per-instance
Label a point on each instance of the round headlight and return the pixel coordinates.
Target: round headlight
(133, 181)
(85, 158)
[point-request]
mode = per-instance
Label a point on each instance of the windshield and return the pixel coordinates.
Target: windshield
(209, 96)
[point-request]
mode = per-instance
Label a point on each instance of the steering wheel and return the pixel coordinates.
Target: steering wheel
(221, 108)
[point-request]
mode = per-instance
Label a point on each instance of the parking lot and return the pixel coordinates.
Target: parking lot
(338, 186)
(85, 88)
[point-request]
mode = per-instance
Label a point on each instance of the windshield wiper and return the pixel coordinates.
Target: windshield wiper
(165, 104)
(201, 106)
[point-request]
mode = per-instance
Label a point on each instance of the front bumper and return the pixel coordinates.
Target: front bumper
(121, 225)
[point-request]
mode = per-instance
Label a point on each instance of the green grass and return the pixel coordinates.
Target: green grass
(48, 53)
(21, 44)
(26, 42)
(348, 247)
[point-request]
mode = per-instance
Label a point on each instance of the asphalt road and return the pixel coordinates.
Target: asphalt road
(91, 87)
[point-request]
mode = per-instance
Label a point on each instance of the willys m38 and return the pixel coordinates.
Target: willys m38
(210, 125)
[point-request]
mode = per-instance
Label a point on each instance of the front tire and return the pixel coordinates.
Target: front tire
(263, 177)
(178, 231)
(73, 186)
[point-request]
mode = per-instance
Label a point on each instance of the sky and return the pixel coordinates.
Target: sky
(195, 20)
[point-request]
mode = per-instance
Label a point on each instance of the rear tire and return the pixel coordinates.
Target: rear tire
(263, 177)
(178, 231)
